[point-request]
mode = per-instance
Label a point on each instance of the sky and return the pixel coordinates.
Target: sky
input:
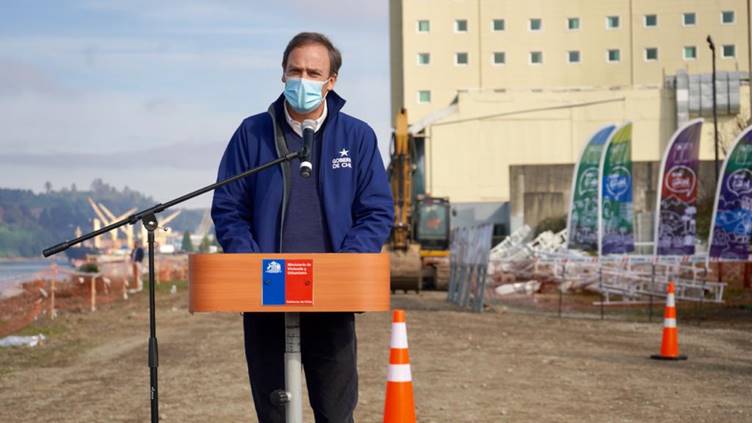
(147, 94)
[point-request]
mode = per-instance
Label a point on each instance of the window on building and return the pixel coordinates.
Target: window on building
(613, 55)
(651, 21)
(651, 54)
(573, 56)
(498, 25)
(460, 58)
(536, 57)
(424, 58)
(729, 51)
(499, 58)
(460, 25)
(424, 26)
(612, 22)
(727, 16)
(536, 24)
(424, 96)
(573, 24)
(689, 19)
(690, 53)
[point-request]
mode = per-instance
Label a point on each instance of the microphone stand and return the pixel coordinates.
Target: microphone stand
(149, 220)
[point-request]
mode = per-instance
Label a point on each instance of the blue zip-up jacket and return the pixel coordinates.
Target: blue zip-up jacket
(356, 198)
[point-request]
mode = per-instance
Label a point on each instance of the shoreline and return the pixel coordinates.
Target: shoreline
(26, 297)
(16, 272)
(14, 259)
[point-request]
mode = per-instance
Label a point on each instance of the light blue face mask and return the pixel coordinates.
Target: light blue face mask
(303, 95)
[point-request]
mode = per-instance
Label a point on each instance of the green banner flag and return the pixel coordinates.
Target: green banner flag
(582, 224)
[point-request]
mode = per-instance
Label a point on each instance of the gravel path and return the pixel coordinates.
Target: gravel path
(497, 366)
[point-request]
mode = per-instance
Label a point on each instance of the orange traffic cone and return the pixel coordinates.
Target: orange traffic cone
(670, 344)
(400, 405)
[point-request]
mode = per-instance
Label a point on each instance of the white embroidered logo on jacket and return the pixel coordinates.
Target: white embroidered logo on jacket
(343, 160)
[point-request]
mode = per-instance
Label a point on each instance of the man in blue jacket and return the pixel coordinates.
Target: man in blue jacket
(345, 206)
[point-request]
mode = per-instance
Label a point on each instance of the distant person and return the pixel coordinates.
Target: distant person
(345, 206)
(137, 258)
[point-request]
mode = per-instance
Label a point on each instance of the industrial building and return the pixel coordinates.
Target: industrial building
(501, 92)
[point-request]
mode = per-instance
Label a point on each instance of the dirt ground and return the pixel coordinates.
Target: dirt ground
(502, 365)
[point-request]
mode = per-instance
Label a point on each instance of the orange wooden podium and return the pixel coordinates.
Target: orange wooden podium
(341, 282)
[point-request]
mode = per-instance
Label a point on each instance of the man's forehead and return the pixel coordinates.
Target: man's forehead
(308, 55)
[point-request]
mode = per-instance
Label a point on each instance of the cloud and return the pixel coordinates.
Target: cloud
(106, 122)
(186, 156)
(253, 12)
(17, 78)
(179, 10)
(344, 12)
(161, 183)
(121, 54)
(119, 89)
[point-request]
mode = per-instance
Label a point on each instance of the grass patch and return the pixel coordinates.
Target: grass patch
(48, 328)
(746, 307)
(72, 333)
(166, 287)
(60, 348)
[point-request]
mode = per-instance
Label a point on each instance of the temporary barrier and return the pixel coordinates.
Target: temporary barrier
(470, 249)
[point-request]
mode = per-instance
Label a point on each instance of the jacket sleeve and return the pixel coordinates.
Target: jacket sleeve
(372, 207)
(232, 208)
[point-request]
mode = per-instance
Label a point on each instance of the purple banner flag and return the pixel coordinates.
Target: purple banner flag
(676, 211)
(731, 226)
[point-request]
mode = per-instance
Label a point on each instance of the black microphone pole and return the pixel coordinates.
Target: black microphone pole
(149, 220)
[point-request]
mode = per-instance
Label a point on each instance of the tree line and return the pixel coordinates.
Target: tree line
(30, 222)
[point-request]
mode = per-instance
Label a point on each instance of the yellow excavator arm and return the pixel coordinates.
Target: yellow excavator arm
(400, 176)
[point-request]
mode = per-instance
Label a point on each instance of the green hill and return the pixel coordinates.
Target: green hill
(30, 222)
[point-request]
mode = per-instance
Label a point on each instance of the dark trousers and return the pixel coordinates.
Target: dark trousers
(328, 348)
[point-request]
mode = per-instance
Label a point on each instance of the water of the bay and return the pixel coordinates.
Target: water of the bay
(14, 272)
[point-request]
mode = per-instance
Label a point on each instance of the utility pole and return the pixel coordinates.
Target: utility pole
(715, 107)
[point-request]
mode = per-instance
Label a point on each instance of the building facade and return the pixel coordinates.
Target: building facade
(490, 84)
(441, 47)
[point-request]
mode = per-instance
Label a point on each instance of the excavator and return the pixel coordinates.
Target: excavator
(419, 242)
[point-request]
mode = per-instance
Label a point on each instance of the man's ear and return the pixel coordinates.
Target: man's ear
(332, 82)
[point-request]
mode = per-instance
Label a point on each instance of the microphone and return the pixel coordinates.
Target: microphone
(306, 167)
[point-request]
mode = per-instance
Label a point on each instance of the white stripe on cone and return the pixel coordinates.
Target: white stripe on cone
(399, 373)
(669, 323)
(399, 335)
(670, 301)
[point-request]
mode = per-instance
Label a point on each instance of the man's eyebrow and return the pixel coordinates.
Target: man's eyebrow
(304, 67)
(311, 70)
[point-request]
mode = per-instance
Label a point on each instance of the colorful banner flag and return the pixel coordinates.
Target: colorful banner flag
(676, 211)
(615, 209)
(731, 226)
(582, 224)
